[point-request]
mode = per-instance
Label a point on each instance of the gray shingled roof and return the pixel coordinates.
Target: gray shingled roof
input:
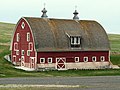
(52, 34)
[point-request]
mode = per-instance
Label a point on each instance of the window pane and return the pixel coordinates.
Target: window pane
(30, 46)
(23, 52)
(76, 59)
(102, 58)
(42, 60)
(17, 37)
(49, 60)
(15, 46)
(93, 58)
(72, 40)
(85, 59)
(28, 36)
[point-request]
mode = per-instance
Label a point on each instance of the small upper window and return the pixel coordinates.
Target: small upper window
(102, 58)
(17, 52)
(42, 60)
(30, 47)
(94, 59)
(23, 52)
(23, 25)
(28, 36)
(17, 37)
(75, 41)
(76, 59)
(85, 59)
(15, 46)
(28, 52)
(49, 60)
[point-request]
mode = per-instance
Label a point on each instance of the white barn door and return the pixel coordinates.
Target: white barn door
(61, 63)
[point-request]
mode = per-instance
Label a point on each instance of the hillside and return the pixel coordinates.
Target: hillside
(7, 70)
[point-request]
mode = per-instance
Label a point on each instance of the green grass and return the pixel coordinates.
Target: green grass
(7, 69)
(114, 43)
(6, 31)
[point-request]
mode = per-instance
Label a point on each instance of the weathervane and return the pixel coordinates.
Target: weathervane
(44, 11)
(75, 14)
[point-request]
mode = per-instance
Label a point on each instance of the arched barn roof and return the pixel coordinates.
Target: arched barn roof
(53, 34)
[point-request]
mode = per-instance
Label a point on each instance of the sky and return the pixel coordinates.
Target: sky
(106, 12)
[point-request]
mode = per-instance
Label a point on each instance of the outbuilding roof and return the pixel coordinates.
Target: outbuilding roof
(53, 34)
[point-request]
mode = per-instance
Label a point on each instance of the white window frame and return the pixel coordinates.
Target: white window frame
(86, 58)
(22, 58)
(31, 49)
(17, 52)
(23, 25)
(28, 52)
(14, 57)
(102, 58)
(23, 52)
(28, 36)
(78, 40)
(43, 60)
(50, 60)
(15, 46)
(93, 58)
(77, 59)
(73, 40)
(17, 37)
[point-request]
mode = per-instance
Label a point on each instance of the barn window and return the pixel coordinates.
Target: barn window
(22, 52)
(94, 58)
(76, 59)
(23, 25)
(17, 37)
(30, 47)
(28, 52)
(49, 60)
(15, 46)
(85, 59)
(75, 41)
(42, 60)
(28, 36)
(17, 52)
(102, 58)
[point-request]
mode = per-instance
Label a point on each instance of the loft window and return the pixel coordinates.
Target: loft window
(28, 52)
(75, 41)
(15, 46)
(28, 36)
(30, 47)
(17, 37)
(23, 25)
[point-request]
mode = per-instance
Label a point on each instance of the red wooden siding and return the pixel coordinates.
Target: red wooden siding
(70, 56)
(23, 44)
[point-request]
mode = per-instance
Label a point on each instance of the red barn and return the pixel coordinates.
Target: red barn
(62, 44)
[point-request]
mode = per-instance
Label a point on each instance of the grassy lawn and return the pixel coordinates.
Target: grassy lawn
(114, 43)
(7, 69)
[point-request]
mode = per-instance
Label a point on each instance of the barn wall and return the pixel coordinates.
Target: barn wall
(71, 55)
(69, 58)
(23, 44)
